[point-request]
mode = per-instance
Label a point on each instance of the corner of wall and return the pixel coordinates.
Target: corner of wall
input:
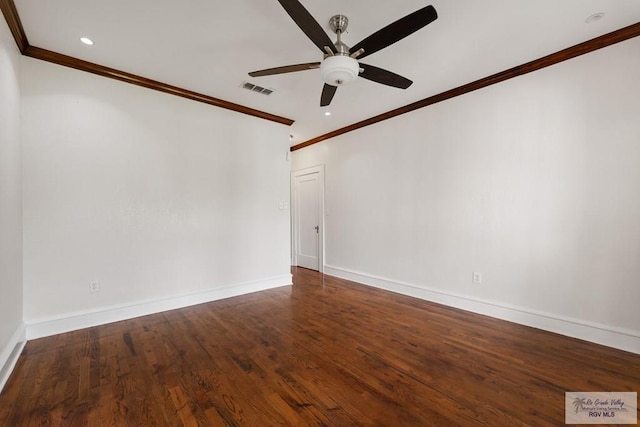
(11, 353)
(12, 328)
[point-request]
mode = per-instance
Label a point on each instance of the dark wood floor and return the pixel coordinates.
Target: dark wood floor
(323, 352)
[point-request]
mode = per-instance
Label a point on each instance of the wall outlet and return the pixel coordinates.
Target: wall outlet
(476, 278)
(94, 286)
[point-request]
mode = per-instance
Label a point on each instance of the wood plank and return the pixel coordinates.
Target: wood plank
(323, 352)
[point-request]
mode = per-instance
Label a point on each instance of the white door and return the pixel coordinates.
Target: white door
(308, 207)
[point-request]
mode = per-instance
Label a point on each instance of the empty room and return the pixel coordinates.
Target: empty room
(266, 213)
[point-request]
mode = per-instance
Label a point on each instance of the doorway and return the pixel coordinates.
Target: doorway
(308, 218)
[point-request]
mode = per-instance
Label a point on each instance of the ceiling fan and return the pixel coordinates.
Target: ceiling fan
(339, 65)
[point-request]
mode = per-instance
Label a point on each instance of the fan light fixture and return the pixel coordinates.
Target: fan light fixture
(339, 70)
(339, 66)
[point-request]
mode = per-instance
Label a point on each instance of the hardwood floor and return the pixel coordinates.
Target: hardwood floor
(322, 352)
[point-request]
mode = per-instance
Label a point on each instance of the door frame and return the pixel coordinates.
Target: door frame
(294, 214)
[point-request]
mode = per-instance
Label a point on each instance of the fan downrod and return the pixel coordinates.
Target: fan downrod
(339, 24)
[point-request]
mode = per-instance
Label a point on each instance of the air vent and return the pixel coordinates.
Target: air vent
(256, 88)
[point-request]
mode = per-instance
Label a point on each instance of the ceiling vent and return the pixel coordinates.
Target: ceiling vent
(256, 88)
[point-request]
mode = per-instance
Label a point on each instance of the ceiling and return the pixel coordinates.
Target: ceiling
(209, 47)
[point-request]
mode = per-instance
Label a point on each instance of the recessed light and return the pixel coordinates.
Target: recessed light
(86, 41)
(595, 17)
(327, 113)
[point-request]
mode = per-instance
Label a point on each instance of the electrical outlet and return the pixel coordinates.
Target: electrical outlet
(476, 278)
(94, 287)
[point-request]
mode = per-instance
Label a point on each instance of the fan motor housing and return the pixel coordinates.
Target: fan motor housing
(339, 70)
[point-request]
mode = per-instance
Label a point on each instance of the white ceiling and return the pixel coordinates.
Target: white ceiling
(209, 46)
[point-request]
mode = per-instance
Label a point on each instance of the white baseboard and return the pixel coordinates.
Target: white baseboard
(39, 328)
(623, 339)
(10, 354)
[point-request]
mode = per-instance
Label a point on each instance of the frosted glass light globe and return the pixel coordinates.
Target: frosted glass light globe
(339, 70)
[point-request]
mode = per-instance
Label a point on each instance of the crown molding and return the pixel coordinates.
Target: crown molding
(15, 25)
(609, 39)
(123, 76)
(10, 13)
(13, 20)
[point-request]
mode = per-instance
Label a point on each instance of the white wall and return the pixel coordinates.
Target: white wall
(534, 182)
(11, 330)
(166, 202)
